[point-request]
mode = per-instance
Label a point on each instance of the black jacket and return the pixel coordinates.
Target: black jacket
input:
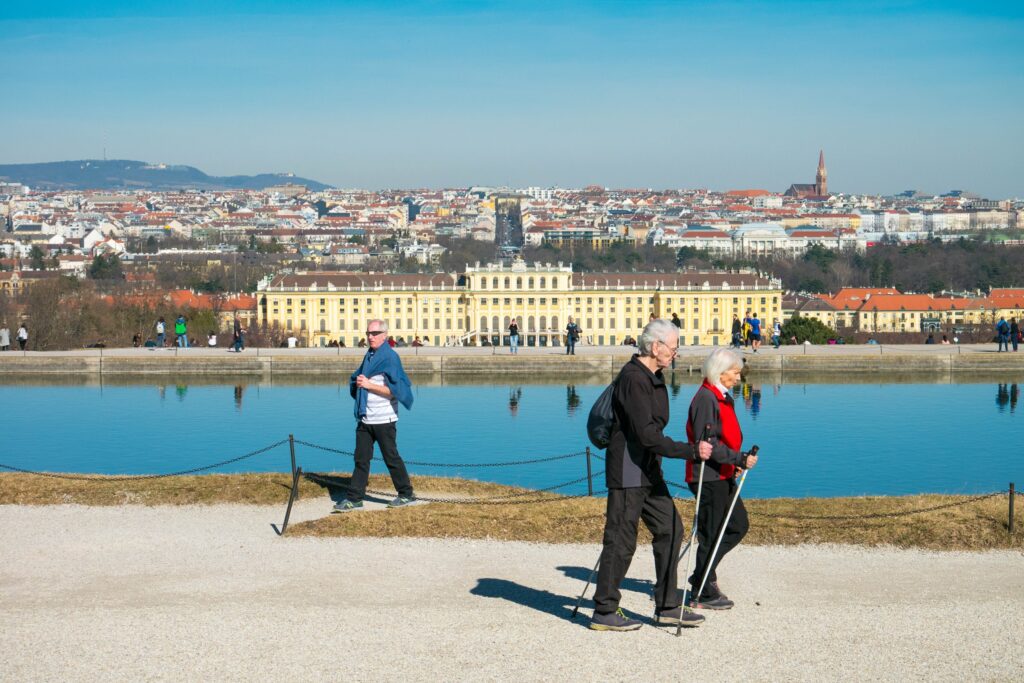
(638, 442)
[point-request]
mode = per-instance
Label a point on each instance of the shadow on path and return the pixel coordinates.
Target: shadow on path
(559, 606)
(642, 586)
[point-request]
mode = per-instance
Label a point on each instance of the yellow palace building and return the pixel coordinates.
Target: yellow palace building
(476, 307)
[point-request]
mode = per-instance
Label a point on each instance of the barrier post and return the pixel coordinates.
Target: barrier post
(1013, 494)
(590, 479)
(291, 448)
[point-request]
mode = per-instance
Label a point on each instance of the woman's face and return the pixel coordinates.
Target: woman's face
(730, 377)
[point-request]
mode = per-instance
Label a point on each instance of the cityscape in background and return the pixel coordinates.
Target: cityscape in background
(701, 256)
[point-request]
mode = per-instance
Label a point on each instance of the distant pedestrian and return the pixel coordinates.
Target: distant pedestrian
(136, 340)
(572, 335)
(5, 338)
(293, 341)
(22, 336)
(238, 335)
(755, 332)
(513, 336)
(930, 339)
(776, 333)
(1003, 335)
(737, 331)
(676, 321)
(1014, 333)
(945, 339)
(211, 339)
(181, 331)
(378, 386)
(161, 332)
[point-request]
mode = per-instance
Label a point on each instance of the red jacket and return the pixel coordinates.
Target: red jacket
(710, 407)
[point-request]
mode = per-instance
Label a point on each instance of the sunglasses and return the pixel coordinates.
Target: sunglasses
(374, 333)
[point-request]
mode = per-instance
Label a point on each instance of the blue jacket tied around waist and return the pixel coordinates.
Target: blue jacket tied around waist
(383, 361)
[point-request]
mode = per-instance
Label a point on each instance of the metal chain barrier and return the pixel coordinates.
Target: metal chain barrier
(510, 499)
(881, 515)
(140, 477)
(507, 463)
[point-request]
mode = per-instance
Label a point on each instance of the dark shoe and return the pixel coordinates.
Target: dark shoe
(713, 591)
(614, 621)
(677, 616)
(708, 602)
(401, 501)
(348, 506)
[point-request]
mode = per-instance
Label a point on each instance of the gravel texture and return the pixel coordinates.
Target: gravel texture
(211, 593)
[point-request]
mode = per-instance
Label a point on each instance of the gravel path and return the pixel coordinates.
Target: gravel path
(189, 593)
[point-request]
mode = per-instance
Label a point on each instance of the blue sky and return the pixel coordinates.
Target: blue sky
(641, 94)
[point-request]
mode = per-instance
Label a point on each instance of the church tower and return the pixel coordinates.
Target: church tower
(821, 179)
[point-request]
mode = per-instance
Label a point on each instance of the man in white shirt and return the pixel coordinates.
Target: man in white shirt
(293, 341)
(378, 386)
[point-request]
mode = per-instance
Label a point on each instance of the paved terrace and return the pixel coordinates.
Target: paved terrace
(542, 361)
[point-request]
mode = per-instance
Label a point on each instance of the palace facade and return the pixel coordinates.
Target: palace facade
(476, 307)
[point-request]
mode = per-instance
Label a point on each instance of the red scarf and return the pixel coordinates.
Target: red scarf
(727, 430)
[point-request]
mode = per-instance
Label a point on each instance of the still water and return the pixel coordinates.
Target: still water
(816, 439)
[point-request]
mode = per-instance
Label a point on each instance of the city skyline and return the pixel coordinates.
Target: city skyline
(664, 95)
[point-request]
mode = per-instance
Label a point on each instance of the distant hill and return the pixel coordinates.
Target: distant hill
(120, 174)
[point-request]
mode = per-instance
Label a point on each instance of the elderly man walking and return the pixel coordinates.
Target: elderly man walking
(378, 386)
(637, 488)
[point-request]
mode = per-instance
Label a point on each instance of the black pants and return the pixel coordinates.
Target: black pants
(626, 507)
(714, 503)
(384, 436)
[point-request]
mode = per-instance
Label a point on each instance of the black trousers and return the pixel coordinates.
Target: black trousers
(714, 503)
(626, 507)
(384, 436)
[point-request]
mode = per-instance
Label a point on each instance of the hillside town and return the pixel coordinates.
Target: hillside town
(139, 240)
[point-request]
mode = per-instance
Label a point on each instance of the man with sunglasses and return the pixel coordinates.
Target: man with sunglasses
(378, 386)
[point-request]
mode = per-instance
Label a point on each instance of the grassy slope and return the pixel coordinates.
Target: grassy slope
(979, 525)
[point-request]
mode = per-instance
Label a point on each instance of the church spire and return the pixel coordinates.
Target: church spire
(821, 179)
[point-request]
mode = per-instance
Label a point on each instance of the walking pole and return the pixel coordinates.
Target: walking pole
(721, 534)
(693, 531)
(589, 579)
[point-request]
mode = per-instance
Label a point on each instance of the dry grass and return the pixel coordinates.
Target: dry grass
(978, 525)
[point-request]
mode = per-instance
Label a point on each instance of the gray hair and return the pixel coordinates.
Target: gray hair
(657, 330)
(383, 325)
(718, 361)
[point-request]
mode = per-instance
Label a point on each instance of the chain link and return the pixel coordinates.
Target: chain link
(880, 515)
(140, 477)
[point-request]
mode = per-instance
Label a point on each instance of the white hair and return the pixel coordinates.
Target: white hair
(719, 361)
(657, 330)
(383, 325)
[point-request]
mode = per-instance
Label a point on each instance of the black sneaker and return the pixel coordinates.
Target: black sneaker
(348, 506)
(613, 621)
(401, 501)
(677, 616)
(708, 602)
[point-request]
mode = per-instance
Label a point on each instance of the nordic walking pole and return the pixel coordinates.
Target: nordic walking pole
(693, 529)
(591, 578)
(721, 534)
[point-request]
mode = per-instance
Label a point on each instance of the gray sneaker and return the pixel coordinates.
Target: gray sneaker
(613, 621)
(708, 602)
(348, 506)
(714, 591)
(401, 501)
(677, 616)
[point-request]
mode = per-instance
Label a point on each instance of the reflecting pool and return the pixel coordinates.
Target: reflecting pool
(817, 439)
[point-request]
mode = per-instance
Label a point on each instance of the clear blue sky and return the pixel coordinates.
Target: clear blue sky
(924, 95)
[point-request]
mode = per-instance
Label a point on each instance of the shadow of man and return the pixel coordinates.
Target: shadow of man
(337, 486)
(547, 602)
(642, 586)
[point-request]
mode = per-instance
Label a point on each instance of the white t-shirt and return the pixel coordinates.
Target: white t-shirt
(292, 342)
(211, 340)
(380, 410)
(160, 327)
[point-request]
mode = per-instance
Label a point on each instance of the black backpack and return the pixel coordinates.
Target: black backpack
(602, 418)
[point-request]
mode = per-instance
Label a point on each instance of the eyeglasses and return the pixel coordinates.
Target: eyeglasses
(374, 333)
(673, 349)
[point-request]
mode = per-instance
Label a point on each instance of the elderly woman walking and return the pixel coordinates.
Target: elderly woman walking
(636, 485)
(712, 406)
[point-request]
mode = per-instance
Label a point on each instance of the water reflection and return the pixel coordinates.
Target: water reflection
(514, 395)
(239, 390)
(1007, 396)
(572, 399)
